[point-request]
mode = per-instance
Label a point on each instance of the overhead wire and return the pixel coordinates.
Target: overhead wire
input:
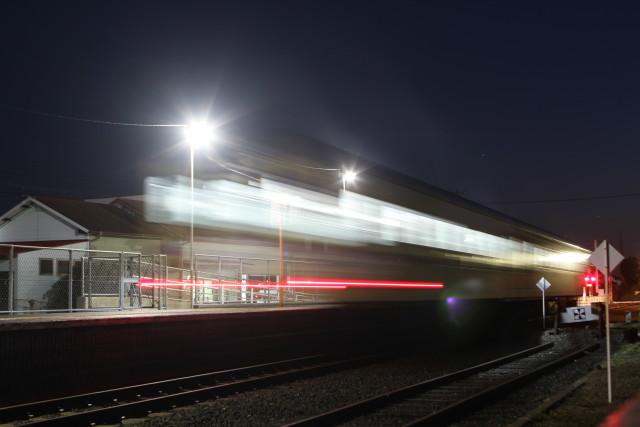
(315, 168)
(133, 124)
(88, 120)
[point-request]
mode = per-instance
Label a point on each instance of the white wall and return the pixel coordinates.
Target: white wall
(30, 285)
(35, 224)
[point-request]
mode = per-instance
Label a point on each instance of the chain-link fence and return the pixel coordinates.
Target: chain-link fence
(153, 270)
(34, 278)
(243, 280)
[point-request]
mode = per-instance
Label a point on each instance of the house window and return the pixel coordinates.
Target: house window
(63, 267)
(46, 267)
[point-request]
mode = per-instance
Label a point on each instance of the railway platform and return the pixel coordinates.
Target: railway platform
(48, 355)
(35, 320)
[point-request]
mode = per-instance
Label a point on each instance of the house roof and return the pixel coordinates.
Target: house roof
(120, 217)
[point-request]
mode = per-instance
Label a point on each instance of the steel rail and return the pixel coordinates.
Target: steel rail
(457, 409)
(140, 400)
(364, 406)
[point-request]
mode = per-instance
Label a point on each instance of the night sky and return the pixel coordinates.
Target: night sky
(517, 106)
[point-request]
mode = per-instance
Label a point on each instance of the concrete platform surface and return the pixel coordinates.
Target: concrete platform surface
(138, 316)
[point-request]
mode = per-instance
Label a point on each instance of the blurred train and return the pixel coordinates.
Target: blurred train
(385, 236)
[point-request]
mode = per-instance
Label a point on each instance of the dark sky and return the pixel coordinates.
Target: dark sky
(501, 102)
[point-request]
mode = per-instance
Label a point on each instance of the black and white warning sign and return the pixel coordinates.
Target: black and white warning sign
(579, 313)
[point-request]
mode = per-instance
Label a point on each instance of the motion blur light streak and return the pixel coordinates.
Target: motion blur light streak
(149, 283)
(370, 284)
(299, 283)
(351, 219)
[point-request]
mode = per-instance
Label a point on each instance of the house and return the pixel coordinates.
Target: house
(110, 225)
(101, 225)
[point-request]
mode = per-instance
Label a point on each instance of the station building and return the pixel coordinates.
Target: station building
(109, 225)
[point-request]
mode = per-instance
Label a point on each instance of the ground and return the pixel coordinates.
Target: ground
(588, 406)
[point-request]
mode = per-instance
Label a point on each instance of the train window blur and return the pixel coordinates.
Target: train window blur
(351, 219)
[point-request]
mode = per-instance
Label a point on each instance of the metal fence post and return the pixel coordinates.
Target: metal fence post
(166, 280)
(121, 283)
(268, 277)
(196, 293)
(140, 280)
(82, 275)
(220, 279)
(70, 292)
(153, 280)
(90, 286)
(11, 282)
(243, 285)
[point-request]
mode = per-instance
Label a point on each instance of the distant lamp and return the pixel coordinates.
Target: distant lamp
(199, 134)
(348, 177)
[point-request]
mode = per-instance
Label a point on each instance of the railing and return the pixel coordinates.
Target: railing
(54, 279)
(220, 279)
(66, 279)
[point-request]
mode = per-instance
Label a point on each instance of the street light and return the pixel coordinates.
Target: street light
(348, 177)
(197, 135)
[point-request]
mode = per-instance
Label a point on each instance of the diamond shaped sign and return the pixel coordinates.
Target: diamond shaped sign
(599, 257)
(543, 284)
(615, 257)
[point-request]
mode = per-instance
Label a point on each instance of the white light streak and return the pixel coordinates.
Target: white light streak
(351, 218)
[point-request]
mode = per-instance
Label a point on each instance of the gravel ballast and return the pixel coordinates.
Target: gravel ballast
(289, 402)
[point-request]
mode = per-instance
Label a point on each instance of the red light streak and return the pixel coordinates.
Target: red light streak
(371, 284)
(149, 283)
(298, 283)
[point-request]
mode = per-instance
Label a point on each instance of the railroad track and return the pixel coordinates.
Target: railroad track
(114, 405)
(451, 396)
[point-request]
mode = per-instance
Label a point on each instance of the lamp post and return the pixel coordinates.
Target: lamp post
(198, 135)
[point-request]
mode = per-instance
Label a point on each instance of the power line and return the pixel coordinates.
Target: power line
(568, 199)
(87, 120)
(315, 168)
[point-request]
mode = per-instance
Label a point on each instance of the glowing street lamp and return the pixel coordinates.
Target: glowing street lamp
(197, 135)
(348, 177)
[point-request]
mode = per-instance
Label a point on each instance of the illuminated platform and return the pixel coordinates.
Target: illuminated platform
(142, 316)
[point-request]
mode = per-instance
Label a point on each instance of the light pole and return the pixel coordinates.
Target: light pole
(348, 177)
(198, 135)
